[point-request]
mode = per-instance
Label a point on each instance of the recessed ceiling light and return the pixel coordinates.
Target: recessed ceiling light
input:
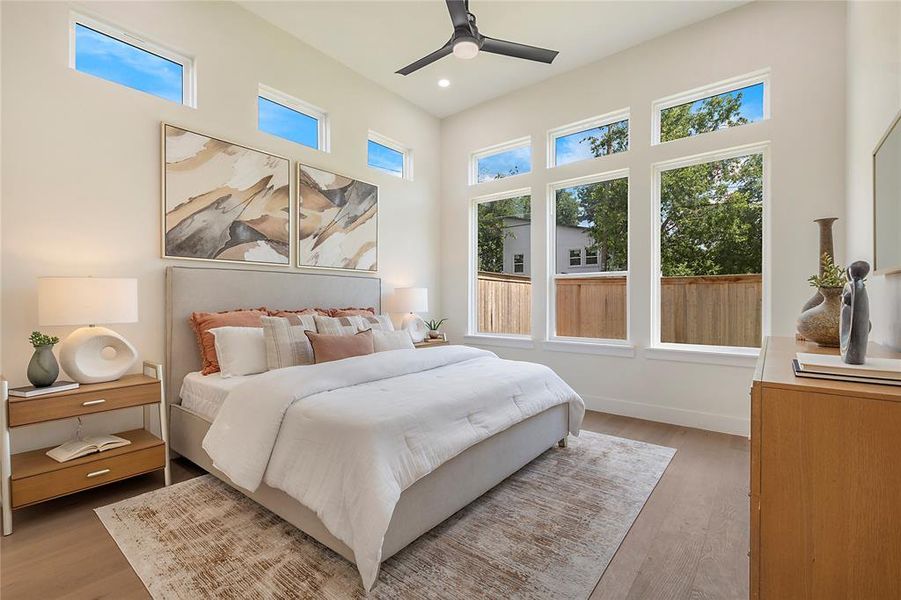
(443, 83)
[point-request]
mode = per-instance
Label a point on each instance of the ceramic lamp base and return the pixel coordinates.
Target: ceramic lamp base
(416, 327)
(96, 354)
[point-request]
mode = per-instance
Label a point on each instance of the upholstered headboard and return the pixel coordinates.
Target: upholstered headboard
(201, 289)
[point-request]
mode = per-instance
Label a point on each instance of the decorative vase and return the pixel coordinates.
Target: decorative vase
(821, 323)
(434, 334)
(43, 368)
(826, 247)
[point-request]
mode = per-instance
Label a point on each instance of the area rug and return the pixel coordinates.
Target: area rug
(548, 531)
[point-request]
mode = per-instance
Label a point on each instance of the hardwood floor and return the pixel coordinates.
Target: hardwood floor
(690, 540)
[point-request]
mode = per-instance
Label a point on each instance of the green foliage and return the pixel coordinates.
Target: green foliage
(833, 275)
(491, 230)
(38, 339)
(434, 324)
(613, 138)
(708, 115)
(604, 208)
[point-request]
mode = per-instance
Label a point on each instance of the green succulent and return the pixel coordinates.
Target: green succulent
(38, 339)
(833, 275)
(434, 324)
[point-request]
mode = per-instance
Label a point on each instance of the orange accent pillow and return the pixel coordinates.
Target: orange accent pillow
(350, 311)
(327, 348)
(292, 315)
(202, 322)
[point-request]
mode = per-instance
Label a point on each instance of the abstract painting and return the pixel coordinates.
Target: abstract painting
(223, 201)
(337, 225)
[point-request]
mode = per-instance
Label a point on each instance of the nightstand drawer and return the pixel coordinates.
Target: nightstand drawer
(82, 476)
(61, 406)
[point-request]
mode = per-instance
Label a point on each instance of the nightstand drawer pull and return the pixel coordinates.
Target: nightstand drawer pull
(93, 402)
(98, 473)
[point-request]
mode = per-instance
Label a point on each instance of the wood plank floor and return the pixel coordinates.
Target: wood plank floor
(690, 541)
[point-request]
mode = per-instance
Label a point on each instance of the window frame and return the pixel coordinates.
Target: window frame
(141, 42)
(729, 355)
(498, 149)
(589, 254)
(714, 89)
(473, 335)
(571, 257)
(521, 263)
(617, 347)
(297, 105)
(609, 118)
(391, 144)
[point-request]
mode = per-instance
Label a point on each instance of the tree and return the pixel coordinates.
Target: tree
(492, 231)
(613, 138)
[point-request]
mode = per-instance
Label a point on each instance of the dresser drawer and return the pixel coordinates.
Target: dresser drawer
(61, 406)
(60, 482)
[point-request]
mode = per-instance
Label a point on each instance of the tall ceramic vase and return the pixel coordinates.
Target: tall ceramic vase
(826, 247)
(43, 368)
(821, 323)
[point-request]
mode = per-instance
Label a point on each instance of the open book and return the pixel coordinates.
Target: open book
(88, 445)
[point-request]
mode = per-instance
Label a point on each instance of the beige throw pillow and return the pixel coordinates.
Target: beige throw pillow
(286, 344)
(327, 348)
(391, 340)
(336, 325)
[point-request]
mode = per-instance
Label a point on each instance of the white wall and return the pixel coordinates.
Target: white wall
(874, 99)
(803, 45)
(81, 157)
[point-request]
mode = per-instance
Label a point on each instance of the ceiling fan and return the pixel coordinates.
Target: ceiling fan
(466, 42)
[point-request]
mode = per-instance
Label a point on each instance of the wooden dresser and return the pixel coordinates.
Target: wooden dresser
(825, 483)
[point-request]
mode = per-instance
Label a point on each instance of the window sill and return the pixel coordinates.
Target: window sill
(602, 347)
(710, 355)
(504, 341)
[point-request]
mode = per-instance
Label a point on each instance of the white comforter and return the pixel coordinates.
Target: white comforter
(346, 438)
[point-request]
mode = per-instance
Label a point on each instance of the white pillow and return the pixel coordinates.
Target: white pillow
(240, 350)
(374, 322)
(391, 340)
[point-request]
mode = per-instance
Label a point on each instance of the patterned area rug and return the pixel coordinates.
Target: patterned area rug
(548, 531)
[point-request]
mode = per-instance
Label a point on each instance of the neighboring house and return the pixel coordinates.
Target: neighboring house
(573, 255)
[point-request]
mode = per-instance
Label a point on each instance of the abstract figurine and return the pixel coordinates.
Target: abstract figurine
(855, 321)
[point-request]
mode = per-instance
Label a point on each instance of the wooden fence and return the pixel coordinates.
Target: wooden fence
(720, 310)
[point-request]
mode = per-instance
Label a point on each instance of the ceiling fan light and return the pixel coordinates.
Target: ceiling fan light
(466, 48)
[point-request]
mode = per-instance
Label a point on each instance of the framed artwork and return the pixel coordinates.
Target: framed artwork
(223, 201)
(337, 221)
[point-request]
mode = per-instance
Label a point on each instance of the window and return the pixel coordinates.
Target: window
(589, 139)
(711, 250)
(115, 55)
(519, 263)
(503, 286)
(389, 157)
(575, 257)
(287, 117)
(720, 106)
(505, 160)
(589, 295)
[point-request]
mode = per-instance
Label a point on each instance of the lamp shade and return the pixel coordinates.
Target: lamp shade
(87, 300)
(411, 300)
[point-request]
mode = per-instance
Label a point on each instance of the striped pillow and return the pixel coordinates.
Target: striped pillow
(286, 344)
(336, 325)
(380, 322)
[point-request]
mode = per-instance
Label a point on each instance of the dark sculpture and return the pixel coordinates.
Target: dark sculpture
(855, 322)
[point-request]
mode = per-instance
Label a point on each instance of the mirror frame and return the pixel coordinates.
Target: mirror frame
(878, 269)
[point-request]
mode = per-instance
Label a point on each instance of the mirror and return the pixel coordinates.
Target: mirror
(887, 201)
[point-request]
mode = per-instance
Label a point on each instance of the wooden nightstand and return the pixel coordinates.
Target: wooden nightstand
(32, 477)
(427, 343)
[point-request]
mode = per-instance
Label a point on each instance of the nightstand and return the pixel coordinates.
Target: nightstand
(32, 477)
(427, 343)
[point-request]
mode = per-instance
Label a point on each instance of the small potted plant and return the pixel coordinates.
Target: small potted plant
(433, 326)
(42, 368)
(820, 324)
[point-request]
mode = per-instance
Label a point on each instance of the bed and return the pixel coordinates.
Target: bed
(429, 500)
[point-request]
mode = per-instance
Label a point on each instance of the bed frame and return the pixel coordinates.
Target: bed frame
(423, 505)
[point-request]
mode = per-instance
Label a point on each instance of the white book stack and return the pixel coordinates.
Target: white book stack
(885, 371)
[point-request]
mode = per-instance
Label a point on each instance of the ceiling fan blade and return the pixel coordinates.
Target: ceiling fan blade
(429, 59)
(459, 12)
(516, 50)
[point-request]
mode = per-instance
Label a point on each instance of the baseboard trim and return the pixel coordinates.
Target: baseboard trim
(669, 414)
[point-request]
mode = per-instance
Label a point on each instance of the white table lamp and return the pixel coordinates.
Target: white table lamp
(410, 301)
(90, 354)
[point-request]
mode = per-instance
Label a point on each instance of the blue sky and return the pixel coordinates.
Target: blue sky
(386, 159)
(504, 162)
(111, 59)
(286, 123)
(751, 102)
(573, 147)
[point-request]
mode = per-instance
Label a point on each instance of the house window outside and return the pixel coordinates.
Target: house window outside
(389, 156)
(107, 52)
(503, 282)
(499, 162)
(589, 139)
(589, 296)
(292, 119)
(711, 252)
